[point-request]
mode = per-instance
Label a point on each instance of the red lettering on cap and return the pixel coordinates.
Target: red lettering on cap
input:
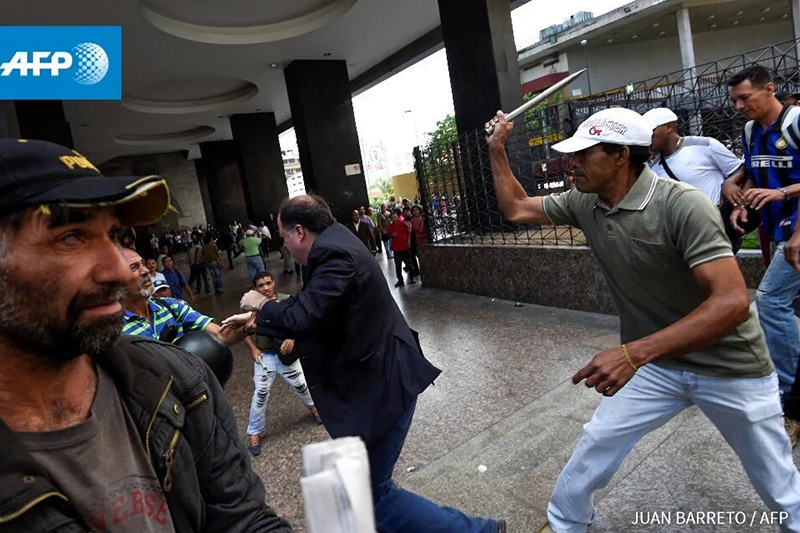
(594, 130)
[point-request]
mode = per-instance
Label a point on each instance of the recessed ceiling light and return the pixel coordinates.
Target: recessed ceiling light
(712, 26)
(656, 24)
(739, 13)
(764, 10)
(609, 41)
(734, 23)
(662, 32)
(634, 36)
(784, 15)
(274, 65)
(326, 54)
(762, 19)
(710, 17)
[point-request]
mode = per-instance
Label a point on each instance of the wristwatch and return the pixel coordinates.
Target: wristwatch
(785, 194)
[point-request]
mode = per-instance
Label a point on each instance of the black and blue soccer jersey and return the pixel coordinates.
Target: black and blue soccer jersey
(773, 160)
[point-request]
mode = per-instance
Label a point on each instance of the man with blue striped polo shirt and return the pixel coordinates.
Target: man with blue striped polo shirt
(148, 317)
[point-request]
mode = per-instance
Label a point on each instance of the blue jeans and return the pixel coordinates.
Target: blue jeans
(400, 511)
(388, 245)
(774, 297)
(216, 274)
(747, 411)
(264, 373)
(254, 265)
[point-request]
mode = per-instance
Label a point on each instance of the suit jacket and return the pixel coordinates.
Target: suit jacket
(364, 234)
(363, 365)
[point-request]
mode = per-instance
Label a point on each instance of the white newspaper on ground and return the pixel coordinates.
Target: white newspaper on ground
(336, 487)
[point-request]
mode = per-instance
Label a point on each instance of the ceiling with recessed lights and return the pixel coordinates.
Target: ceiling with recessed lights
(190, 64)
(705, 16)
(657, 20)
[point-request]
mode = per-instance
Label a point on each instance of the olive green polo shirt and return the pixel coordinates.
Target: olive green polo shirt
(647, 247)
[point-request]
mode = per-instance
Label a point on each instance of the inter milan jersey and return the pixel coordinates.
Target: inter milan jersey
(773, 161)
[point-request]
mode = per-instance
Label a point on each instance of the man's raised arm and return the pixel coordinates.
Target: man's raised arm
(516, 205)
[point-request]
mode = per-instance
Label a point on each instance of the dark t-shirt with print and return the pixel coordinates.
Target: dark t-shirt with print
(102, 467)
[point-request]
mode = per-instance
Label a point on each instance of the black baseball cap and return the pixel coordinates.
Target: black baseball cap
(34, 173)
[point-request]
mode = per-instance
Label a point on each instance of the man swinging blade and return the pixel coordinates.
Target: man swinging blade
(688, 336)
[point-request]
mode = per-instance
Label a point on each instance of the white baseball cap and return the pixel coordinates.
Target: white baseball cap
(615, 125)
(659, 116)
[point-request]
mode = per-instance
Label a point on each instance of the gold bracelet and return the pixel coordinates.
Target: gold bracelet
(628, 358)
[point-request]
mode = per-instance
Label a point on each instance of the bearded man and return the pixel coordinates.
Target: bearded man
(101, 432)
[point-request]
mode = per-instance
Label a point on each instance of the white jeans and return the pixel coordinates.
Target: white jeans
(263, 376)
(747, 411)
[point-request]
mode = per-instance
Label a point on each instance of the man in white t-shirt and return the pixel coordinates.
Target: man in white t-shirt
(702, 162)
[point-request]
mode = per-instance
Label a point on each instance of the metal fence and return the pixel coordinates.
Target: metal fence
(455, 180)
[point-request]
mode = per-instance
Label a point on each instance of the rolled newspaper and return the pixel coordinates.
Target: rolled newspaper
(337, 496)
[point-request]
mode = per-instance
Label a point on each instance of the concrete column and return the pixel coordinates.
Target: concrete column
(796, 23)
(685, 38)
(43, 120)
(688, 61)
(325, 125)
(200, 168)
(484, 77)
(481, 58)
(264, 180)
(220, 161)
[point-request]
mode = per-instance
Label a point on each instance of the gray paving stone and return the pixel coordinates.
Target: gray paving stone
(504, 400)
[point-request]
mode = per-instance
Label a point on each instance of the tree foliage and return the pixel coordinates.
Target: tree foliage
(537, 116)
(446, 132)
(386, 186)
(439, 164)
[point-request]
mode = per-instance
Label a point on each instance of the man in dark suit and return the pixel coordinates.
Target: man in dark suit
(363, 365)
(362, 230)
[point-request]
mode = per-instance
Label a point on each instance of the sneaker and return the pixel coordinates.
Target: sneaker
(545, 528)
(792, 429)
(412, 281)
(315, 414)
(399, 284)
(254, 445)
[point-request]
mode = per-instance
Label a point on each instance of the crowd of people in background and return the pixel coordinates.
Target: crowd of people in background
(203, 247)
(398, 228)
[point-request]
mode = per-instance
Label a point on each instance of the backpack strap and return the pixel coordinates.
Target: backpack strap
(789, 128)
(665, 166)
(747, 133)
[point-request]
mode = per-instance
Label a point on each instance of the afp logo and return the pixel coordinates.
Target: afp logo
(92, 63)
(61, 63)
